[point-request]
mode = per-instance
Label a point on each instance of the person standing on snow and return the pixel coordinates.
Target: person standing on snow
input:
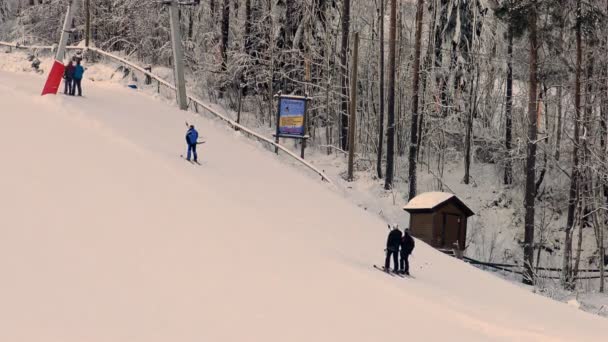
(78, 73)
(191, 140)
(392, 249)
(407, 246)
(68, 78)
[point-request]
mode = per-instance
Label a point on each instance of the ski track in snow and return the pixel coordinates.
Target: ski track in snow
(106, 234)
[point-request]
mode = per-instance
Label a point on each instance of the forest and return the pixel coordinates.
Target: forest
(519, 85)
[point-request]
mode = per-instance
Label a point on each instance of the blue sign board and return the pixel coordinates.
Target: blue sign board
(291, 116)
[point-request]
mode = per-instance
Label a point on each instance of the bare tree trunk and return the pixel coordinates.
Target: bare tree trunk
(579, 247)
(585, 185)
(381, 86)
(87, 27)
(567, 279)
(248, 24)
(344, 73)
(390, 141)
(469, 133)
(353, 110)
(272, 65)
(415, 94)
(225, 32)
(213, 9)
(235, 5)
(558, 133)
(528, 276)
(508, 179)
(543, 100)
(604, 114)
(427, 69)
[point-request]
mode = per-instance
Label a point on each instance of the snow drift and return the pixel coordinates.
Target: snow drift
(106, 234)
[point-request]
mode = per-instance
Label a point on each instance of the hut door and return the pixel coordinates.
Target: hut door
(451, 230)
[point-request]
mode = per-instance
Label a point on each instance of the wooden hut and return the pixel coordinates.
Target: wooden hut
(439, 219)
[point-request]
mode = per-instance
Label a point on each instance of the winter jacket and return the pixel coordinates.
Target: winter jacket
(394, 240)
(191, 136)
(407, 244)
(78, 72)
(69, 72)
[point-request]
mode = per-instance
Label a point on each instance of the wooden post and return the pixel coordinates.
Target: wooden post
(307, 79)
(238, 115)
(276, 137)
(602, 250)
(304, 123)
(353, 110)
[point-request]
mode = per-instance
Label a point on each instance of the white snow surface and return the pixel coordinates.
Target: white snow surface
(106, 234)
(428, 200)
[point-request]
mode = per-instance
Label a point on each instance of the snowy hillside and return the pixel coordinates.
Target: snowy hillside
(108, 235)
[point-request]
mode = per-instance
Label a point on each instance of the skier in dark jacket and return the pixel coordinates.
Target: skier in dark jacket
(392, 248)
(407, 246)
(191, 140)
(68, 78)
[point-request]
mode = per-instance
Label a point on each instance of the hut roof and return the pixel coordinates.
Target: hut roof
(429, 201)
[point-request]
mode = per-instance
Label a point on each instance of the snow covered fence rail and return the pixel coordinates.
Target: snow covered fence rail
(26, 47)
(511, 268)
(191, 99)
(229, 121)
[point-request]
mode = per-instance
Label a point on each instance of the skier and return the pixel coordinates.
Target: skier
(68, 78)
(407, 246)
(191, 140)
(392, 248)
(78, 73)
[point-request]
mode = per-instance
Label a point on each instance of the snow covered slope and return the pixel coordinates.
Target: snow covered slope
(107, 235)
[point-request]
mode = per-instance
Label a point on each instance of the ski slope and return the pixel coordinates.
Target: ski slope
(106, 234)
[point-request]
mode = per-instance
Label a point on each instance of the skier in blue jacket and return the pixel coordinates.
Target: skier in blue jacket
(78, 73)
(191, 140)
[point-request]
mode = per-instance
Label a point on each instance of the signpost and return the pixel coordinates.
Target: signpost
(291, 119)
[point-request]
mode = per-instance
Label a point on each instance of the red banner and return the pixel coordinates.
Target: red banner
(54, 80)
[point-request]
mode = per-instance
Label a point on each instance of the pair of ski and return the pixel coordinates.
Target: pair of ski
(190, 161)
(389, 272)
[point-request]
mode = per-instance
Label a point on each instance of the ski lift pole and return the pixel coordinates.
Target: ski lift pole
(72, 8)
(178, 52)
(51, 86)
